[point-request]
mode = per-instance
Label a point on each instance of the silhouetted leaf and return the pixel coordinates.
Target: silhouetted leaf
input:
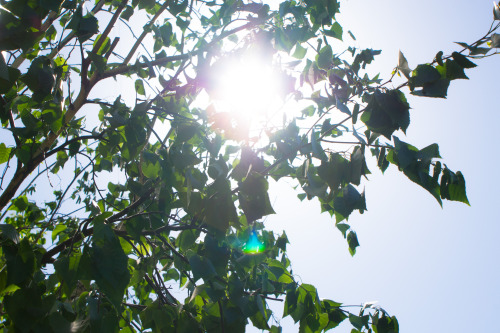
(496, 11)
(422, 75)
(109, 264)
(347, 201)
(387, 112)
(495, 41)
(253, 197)
(40, 77)
(462, 60)
(83, 26)
(8, 231)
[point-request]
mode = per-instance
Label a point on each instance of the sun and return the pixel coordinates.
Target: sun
(249, 84)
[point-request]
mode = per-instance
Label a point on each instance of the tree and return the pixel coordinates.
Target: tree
(84, 253)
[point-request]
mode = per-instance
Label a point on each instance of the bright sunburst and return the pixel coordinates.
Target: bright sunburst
(247, 83)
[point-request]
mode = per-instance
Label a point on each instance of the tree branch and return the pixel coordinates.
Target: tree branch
(125, 68)
(145, 33)
(19, 60)
(110, 26)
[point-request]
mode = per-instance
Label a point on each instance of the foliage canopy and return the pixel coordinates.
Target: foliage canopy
(189, 183)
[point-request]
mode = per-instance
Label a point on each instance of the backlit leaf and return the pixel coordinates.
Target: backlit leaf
(324, 58)
(4, 153)
(335, 31)
(403, 65)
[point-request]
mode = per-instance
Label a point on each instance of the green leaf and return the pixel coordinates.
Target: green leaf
(20, 259)
(127, 13)
(8, 76)
(318, 151)
(462, 60)
(219, 207)
(172, 274)
(495, 41)
(98, 62)
(20, 203)
(452, 70)
(335, 315)
(58, 229)
(359, 321)
(496, 11)
(53, 5)
(335, 31)
(479, 50)
(84, 27)
(385, 324)
(433, 83)
(300, 52)
(185, 131)
(67, 269)
(415, 165)
(74, 147)
(315, 185)
(8, 231)
(109, 264)
(4, 153)
(158, 317)
(14, 32)
(382, 161)
(186, 239)
(139, 87)
(358, 166)
(202, 267)
(259, 319)
(343, 228)
(177, 7)
(104, 46)
(439, 58)
(423, 74)
(341, 106)
(403, 65)
(335, 172)
(428, 153)
(253, 197)
(347, 201)
(435, 89)
(357, 136)
(355, 113)
(26, 308)
(453, 186)
(150, 165)
(387, 112)
(40, 77)
(166, 34)
(324, 59)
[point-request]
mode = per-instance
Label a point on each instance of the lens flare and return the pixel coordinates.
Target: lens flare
(253, 245)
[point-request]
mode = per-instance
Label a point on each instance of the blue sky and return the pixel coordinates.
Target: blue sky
(435, 269)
